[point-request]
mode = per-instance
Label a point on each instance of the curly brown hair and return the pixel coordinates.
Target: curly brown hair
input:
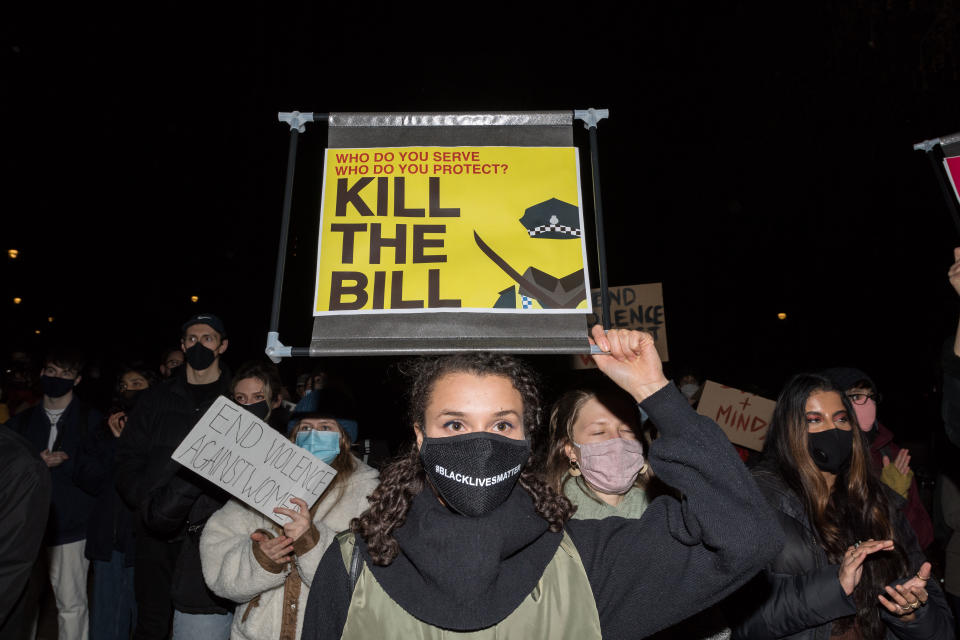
(404, 478)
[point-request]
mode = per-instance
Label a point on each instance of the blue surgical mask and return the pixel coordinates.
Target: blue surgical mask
(322, 444)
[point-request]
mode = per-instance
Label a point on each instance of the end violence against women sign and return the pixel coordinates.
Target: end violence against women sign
(237, 452)
(427, 229)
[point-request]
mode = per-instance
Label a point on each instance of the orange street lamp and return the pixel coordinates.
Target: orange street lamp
(782, 316)
(194, 298)
(37, 332)
(13, 253)
(49, 318)
(17, 300)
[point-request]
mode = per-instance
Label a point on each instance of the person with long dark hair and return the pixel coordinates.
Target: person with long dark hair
(462, 536)
(851, 566)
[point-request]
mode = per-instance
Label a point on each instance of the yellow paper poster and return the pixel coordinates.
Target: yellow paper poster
(426, 229)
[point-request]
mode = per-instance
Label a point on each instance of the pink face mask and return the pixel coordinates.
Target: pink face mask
(611, 466)
(866, 414)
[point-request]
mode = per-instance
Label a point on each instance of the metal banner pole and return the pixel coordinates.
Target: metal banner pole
(297, 121)
(590, 119)
(934, 152)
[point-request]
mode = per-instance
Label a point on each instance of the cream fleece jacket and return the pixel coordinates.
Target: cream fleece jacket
(231, 570)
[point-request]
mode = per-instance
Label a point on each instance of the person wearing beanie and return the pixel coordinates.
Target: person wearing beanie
(890, 460)
(268, 569)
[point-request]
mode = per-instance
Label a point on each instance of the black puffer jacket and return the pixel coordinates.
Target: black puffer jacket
(799, 595)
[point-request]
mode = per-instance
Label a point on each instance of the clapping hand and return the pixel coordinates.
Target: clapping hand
(851, 568)
(904, 599)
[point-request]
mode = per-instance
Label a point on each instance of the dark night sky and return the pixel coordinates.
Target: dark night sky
(757, 160)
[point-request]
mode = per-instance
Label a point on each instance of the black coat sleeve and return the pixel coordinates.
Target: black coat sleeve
(682, 555)
(133, 451)
(93, 468)
(24, 506)
(329, 598)
(781, 604)
(933, 621)
(951, 399)
(166, 507)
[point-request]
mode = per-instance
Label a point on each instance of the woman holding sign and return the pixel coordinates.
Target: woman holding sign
(851, 566)
(462, 537)
(269, 569)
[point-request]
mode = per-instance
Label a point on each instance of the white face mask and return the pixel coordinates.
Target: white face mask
(690, 389)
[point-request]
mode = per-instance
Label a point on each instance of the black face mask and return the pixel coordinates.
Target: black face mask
(475, 472)
(259, 409)
(830, 450)
(128, 399)
(55, 387)
(199, 357)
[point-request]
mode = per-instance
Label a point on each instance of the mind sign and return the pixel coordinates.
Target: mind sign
(237, 452)
(743, 416)
(465, 229)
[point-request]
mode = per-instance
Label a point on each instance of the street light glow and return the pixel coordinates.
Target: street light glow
(49, 318)
(194, 298)
(13, 253)
(782, 316)
(17, 301)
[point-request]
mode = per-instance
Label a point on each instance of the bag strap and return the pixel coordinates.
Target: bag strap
(352, 560)
(356, 566)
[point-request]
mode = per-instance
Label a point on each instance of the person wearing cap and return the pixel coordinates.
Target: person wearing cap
(146, 476)
(891, 461)
(268, 569)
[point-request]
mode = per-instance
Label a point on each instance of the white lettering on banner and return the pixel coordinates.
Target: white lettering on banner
(234, 450)
(474, 481)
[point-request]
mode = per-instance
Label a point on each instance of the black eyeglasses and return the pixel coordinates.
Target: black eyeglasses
(861, 398)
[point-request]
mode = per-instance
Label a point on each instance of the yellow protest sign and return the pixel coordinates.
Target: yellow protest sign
(425, 229)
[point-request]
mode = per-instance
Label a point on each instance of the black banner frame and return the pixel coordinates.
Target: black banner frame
(426, 332)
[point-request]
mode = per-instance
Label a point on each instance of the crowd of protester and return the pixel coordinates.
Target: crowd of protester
(616, 511)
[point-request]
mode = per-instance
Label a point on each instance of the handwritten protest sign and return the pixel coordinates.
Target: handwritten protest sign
(427, 229)
(743, 416)
(638, 306)
(237, 452)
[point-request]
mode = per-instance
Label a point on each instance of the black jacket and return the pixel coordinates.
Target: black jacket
(111, 522)
(799, 595)
(647, 574)
(24, 494)
(70, 505)
(169, 501)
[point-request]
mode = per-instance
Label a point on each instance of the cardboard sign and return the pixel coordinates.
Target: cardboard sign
(234, 450)
(744, 417)
(639, 306)
(427, 229)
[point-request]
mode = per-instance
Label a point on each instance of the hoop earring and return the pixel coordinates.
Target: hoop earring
(574, 468)
(643, 469)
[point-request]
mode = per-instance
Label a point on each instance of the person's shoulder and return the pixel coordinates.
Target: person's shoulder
(16, 454)
(363, 474)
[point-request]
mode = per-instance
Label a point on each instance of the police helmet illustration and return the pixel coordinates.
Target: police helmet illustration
(552, 219)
